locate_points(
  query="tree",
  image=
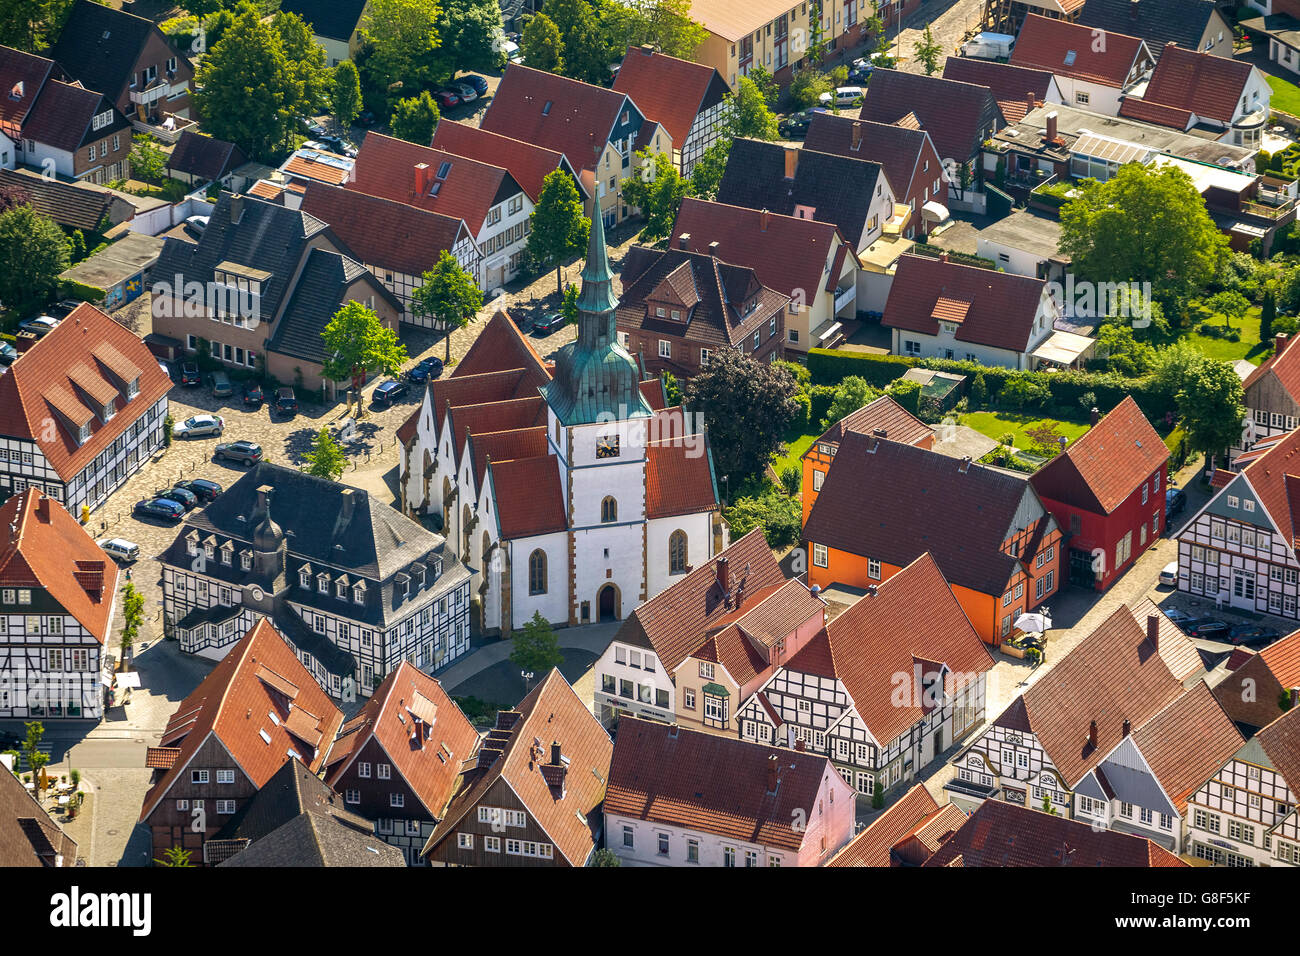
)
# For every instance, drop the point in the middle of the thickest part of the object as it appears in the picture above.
(605, 857)
(791, 479)
(766, 84)
(176, 856)
(36, 759)
(132, 617)
(746, 406)
(979, 391)
(33, 252)
(357, 343)
(559, 229)
(779, 516)
(12, 197)
(542, 45)
(1145, 224)
(569, 305)
(415, 118)
(706, 174)
(536, 648)
(449, 295)
(148, 161)
(30, 25)
(927, 51)
(852, 393)
(1267, 313)
(1023, 391)
(1211, 405)
(313, 81)
(1231, 305)
(1046, 437)
(345, 97)
(470, 36)
(326, 459)
(1124, 353)
(657, 190)
(586, 54)
(664, 24)
(807, 85)
(401, 39)
(750, 115)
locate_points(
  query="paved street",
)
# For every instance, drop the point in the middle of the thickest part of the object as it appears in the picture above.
(949, 21)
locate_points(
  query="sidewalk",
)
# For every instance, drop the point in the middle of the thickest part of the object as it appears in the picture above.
(592, 638)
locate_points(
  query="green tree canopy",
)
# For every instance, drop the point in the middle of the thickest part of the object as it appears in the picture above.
(665, 24)
(326, 458)
(33, 252)
(401, 37)
(449, 295)
(148, 161)
(542, 45)
(586, 52)
(471, 35)
(657, 190)
(559, 228)
(345, 94)
(1124, 353)
(706, 174)
(415, 118)
(536, 648)
(357, 343)
(853, 392)
(927, 51)
(1211, 405)
(778, 515)
(750, 115)
(32, 25)
(312, 78)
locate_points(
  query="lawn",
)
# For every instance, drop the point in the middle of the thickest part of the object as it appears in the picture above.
(1249, 348)
(1286, 95)
(794, 449)
(997, 424)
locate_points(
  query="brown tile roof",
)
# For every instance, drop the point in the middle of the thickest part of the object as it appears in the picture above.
(1002, 308)
(958, 116)
(732, 19)
(1112, 675)
(882, 415)
(22, 75)
(780, 613)
(265, 189)
(529, 496)
(1002, 834)
(1176, 649)
(28, 835)
(1045, 43)
(1284, 366)
(50, 550)
(962, 519)
(471, 391)
(501, 346)
(896, 148)
(1099, 470)
(466, 420)
(419, 726)
(871, 847)
(1281, 742)
(679, 477)
(577, 123)
(161, 758)
(234, 703)
(386, 168)
(912, 617)
(205, 157)
(668, 91)
(1274, 476)
(1209, 86)
(1011, 85)
(1139, 108)
(527, 163)
(382, 233)
(672, 776)
(40, 382)
(1187, 742)
(551, 712)
(676, 620)
(1283, 659)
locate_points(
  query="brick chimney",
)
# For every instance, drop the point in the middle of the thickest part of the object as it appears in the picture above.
(555, 771)
(857, 136)
(1094, 416)
(964, 465)
(684, 241)
(724, 575)
(43, 508)
(713, 247)
(764, 217)
(1051, 136)
(772, 777)
(791, 162)
(943, 256)
(1153, 630)
(422, 182)
(1279, 343)
(1128, 727)
(236, 209)
(1031, 101)
(1092, 733)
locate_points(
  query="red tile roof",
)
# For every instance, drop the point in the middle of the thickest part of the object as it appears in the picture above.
(1275, 478)
(1011, 85)
(1187, 742)
(1045, 43)
(1281, 743)
(1283, 366)
(466, 420)
(1176, 649)
(505, 445)
(1002, 834)
(1283, 659)
(883, 415)
(1207, 85)
(871, 847)
(1139, 108)
(1002, 308)
(49, 549)
(386, 168)
(307, 167)
(234, 703)
(419, 726)
(667, 90)
(679, 477)
(501, 346)
(577, 122)
(671, 776)
(529, 497)
(527, 163)
(1100, 470)
(41, 382)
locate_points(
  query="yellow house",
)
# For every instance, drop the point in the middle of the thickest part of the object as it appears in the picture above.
(775, 34)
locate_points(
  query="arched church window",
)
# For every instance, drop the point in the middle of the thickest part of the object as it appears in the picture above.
(608, 510)
(677, 552)
(537, 572)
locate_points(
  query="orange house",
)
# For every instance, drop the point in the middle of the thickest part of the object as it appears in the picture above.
(884, 418)
(882, 504)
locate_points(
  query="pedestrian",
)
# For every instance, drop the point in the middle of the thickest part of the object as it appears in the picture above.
(128, 574)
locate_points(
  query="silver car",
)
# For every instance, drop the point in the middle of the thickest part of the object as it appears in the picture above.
(119, 548)
(198, 426)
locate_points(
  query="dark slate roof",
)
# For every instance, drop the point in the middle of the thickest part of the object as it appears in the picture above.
(1156, 21)
(75, 205)
(31, 71)
(958, 116)
(205, 157)
(839, 190)
(335, 19)
(268, 236)
(100, 45)
(321, 290)
(62, 117)
(296, 819)
(896, 148)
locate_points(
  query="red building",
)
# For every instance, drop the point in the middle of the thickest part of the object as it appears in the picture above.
(1107, 492)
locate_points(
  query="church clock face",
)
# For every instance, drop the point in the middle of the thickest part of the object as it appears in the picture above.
(607, 447)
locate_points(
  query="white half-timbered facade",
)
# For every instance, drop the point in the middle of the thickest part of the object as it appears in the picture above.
(1270, 395)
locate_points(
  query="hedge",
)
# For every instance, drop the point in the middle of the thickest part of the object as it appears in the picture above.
(70, 289)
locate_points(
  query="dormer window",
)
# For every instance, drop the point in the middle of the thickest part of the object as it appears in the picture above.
(359, 593)
(208, 550)
(323, 583)
(341, 589)
(133, 388)
(227, 551)
(304, 578)
(83, 434)
(17, 92)
(246, 560)
(107, 411)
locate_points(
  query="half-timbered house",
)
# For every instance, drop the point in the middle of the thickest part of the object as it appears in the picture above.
(1271, 394)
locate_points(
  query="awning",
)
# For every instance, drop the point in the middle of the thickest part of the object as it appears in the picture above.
(934, 212)
(715, 690)
(128, 679)
(1063, 348)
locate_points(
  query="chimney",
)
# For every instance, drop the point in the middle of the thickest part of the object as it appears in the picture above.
(964, 465)
(1127, 727)
(555, 771)
(764, 217)
(871, 590)
(236, 209)
(1279, 343)
(555, 752)
(1092, 733)
(713, 248)
(791, 162)
(421, 178)
(857, 136)
(943, 256)
(880, 432)
(684, 241)
(1132, 9)
(724, 578)
(1051, 127)
(1153, 630)
(647, 49)
(43, 508)
(1094, 416)
(1031, 101)
(772, 778)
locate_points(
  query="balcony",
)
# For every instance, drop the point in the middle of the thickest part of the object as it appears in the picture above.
(845, 297)
(1267, 211)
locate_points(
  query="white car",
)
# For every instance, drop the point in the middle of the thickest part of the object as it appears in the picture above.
(120, 548)
(198, 426)
(196, 224)
(843, 96)
(1169, 574)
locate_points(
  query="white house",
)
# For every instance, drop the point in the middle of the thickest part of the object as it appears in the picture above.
(1093, 70)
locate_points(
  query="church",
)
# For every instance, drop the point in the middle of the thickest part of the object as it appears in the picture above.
(566, 488)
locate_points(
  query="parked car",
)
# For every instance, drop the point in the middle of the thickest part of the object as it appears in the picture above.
(286, 402)
(367, 118)
(253, 397)
(119, 549)
(316, 131)
(220, 385)
(1177, 616)
(389, 392)
(479, 84)
(426, 370)
(165, 370)
(8, 354)
(513, 53)
(1169, 574)
(795, 126)
(190, 374)
(199, 426)
(186, 499)
(164, 509)
(549, 323)
(196, 224)
(860, 73)
(1175, 502)
(465, 91)
(39, 326)
(247, 452)
(1205, 627)
(64, 308)
(202, 488)
(1252, 634)
(843, 96)
(337, 144)
(447, 99)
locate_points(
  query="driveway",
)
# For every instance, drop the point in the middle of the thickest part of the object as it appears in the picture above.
(949, 20)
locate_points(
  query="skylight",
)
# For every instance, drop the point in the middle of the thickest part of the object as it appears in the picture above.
(546, 110)
(1069, 58)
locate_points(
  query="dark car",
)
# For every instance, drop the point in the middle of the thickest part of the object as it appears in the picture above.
(523, 323)
(479, 84)
(551, 322)
(162, 508)
(367, 118)
(202, 488)
(190, 374)
(389, 392)
(447, 99)
(253, 396)
(1175, 502)
(8, 354)
(795, 126)
(247, 452)
(427, 369)
(286, 401)
(188, 499)
(315, 130)
(1205, 627)
(64, 308)
(1252, 634)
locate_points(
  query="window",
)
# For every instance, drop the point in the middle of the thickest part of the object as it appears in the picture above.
(663, 844)
(629, 837)
(225, 807)
(465, 841)
(384, 771)
(692, 851)
(677, 550)
(873, 569)
(225, 776)
(537, 572)
(819, 555)
(706, 670)
(704, 356)
(608, 510)
(688, 699)
(728, 856)
(396, 800)
(363, 770)
(198, 776)
(665, 348)
(818, 477)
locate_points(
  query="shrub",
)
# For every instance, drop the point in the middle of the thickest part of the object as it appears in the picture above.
(779, 517)
(792, 479)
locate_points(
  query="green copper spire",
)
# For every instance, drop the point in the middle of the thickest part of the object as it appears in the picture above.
(595, 378)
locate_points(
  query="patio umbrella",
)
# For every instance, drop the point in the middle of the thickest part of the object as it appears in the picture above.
(128, 679)
(1033, 622)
